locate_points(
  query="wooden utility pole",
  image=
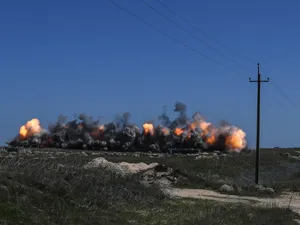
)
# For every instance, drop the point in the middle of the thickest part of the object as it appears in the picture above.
(258, 81)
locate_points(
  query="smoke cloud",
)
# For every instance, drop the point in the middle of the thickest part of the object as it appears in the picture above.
(121, 135)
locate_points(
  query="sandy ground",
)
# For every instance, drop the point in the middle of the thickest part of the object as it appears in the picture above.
(286, 200)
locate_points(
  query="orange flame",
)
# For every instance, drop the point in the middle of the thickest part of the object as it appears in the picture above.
(178, 131)
(30, 128)
(97, 133)
(211, 139)
(148, 128)
(101, 128)
(192, 126)
(236, 141)
(204, 125)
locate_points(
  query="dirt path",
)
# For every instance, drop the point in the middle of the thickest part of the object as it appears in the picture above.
(287, 200)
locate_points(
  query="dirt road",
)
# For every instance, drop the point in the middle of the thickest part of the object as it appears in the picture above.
(287, 200)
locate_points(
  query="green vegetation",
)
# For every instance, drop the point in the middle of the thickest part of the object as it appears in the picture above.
(45, 190)
(278, 170)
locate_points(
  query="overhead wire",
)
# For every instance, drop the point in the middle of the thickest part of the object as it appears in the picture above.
(198, 29)
(194, 36)
(272, 82)
(172, 38)
(279, 102)
(193, 49)
(209, 36)
(280, 90)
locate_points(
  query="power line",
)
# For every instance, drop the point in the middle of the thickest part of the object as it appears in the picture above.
(198, 29)
(276, 86)
(192, 49)
(283, 94)
(169, 36)
(198, 39)
(280, 103)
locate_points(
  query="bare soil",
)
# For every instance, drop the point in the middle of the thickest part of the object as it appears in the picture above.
(287, 200)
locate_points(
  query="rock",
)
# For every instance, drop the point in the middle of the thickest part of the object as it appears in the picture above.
(203, 157)
(84, 154)
(64, 145)
(151, 173)
(226, 188)
(3, 150)
(269, 190)
(284, 154)
(136, 155)
(122, 167)
(263, 189)
(290, 156)
(164, 182)
(215, 177)
(95, 153)
(204, 153)
(136, 167)
(160, 156)
(293, 157)
(22, 151)
(61, 153)
(154, 147)
(126, 146)
(104, 164)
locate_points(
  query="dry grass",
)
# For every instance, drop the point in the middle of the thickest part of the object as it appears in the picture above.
(277, 170)
(44, 190)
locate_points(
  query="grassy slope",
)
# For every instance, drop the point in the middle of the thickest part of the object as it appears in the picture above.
(40, 191)
(276, 170)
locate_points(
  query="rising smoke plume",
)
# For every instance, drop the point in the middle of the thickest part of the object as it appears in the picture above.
(182, 133)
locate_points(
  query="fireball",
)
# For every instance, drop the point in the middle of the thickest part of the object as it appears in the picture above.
(148, 128)
(30, 128)
(178, 131)
(101, 128)
(236, 140)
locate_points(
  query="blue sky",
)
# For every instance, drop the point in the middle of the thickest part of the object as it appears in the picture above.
(66, 57)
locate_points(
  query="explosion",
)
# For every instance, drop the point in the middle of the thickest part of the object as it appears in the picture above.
(236, 140)
(30, 128)
(148, 129)
(178, 131)
(120, 134)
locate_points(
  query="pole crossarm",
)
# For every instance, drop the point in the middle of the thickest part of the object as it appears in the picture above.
(250, 80)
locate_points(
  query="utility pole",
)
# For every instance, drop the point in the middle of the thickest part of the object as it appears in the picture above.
(258, 81)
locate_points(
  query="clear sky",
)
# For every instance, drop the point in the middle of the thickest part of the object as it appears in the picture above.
(66, 57)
